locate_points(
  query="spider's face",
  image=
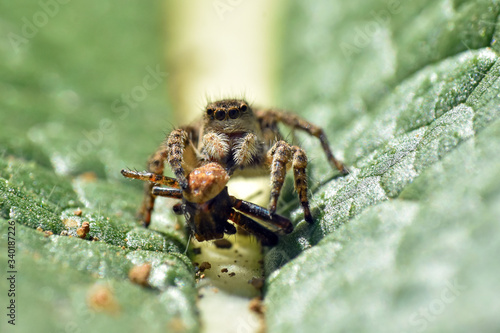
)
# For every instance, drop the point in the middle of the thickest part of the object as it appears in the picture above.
(229, 115)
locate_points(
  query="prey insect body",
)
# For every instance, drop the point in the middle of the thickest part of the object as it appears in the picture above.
(207, 205)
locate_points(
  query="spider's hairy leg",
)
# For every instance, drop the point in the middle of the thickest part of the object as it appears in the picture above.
(247, 149)
(215, 146)
(294, 121)
(299, 165)
(279, 156)
(176, 144)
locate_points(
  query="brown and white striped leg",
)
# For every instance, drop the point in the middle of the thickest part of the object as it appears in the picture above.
(299, 165)
(279, 155)
(176, 144)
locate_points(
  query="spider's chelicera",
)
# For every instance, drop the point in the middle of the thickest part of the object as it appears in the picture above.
(244, 141)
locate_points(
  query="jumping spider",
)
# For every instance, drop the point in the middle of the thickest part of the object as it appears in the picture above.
(245, 142)
(207, 206)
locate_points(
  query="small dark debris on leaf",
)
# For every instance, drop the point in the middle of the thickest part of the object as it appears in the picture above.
(223, 243)
(139, 274)
(258, 283)
(205, 265)
(197, 250)
(224, 270)
(232, 274)
(77, 212)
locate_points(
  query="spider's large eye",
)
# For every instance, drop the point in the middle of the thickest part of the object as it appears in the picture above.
(220, 115)
(210, 113)
(243, 108)
(234, 113)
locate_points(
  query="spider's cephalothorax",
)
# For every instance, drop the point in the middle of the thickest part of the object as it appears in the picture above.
(245, 141)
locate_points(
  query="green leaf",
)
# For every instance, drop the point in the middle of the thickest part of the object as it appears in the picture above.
(67, 120)
(405, 242)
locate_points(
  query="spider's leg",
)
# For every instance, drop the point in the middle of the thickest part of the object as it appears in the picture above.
(253, 210)
(176, 144)
(279, 157)
(292, 120)
(167, 192)
(155, 165)
(151, 177)
(266, 236)
(299, 165)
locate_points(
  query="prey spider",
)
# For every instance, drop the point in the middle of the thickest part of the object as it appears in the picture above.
(207, 206)
(244, 142)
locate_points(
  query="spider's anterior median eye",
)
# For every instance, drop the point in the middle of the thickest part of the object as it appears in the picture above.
(210, 113)
(220, 115)
(234, 113)
(243, 108)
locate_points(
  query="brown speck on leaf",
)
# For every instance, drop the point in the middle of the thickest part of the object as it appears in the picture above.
(197, 250)
(202, 276)
(223, 243)
(100, 298)
(205, 265)
(39, 229)
(139, 274)
(224, 270)
(48, 233)
(83, 231)
(232, 274)
(77, 212)
(256, 305)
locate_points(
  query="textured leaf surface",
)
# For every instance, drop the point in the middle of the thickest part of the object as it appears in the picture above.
(66, 131)
(403, 243)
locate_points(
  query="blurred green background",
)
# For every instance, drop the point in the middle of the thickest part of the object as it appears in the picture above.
(408, 92)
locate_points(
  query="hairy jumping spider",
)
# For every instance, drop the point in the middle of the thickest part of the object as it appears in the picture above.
(243, 140)
(207, 206)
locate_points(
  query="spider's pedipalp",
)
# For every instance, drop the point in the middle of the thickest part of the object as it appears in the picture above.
(215, 146)
(247, 149)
